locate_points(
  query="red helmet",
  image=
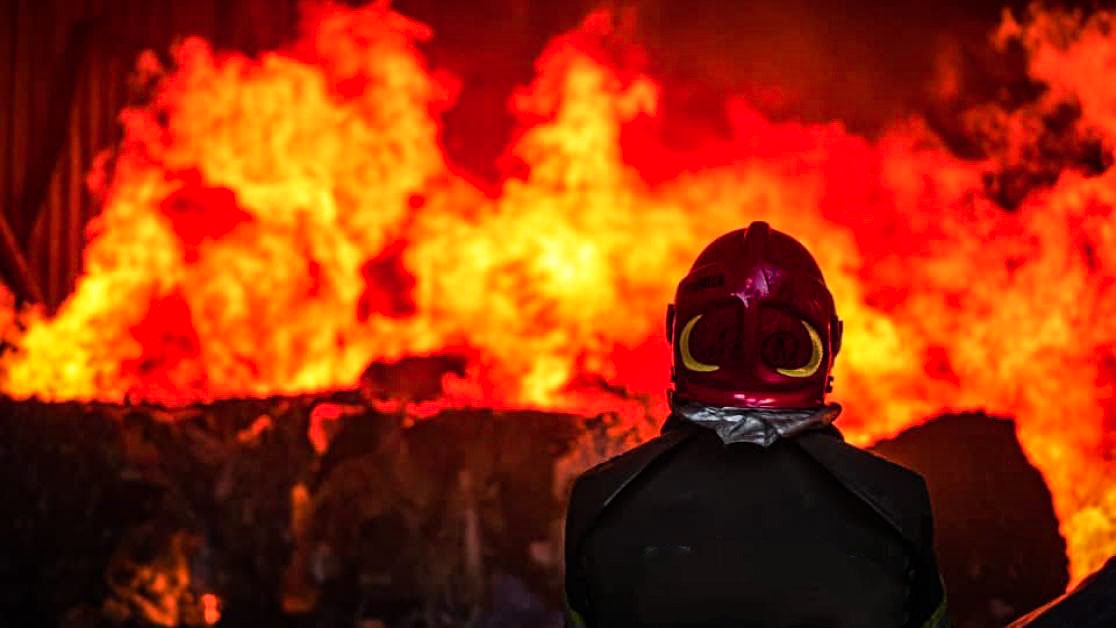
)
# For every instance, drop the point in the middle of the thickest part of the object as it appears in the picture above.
(753, 324)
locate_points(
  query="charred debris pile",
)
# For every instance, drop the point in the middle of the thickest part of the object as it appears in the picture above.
(321, 511)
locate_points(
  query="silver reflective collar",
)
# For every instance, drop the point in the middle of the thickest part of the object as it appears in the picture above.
(759, 426)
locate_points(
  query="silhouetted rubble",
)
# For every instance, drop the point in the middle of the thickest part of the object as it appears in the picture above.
(1091, 604)
(321, 511)
(996, 533)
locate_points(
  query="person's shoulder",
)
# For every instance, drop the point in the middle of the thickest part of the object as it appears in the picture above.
(595, 489)
(894, 491)
(888, 471)
(632, 460)
(600, 482)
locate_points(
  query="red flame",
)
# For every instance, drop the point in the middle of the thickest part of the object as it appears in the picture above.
(275, 224)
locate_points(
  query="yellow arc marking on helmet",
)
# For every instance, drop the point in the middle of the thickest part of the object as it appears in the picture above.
(811, 367)
(684, 348)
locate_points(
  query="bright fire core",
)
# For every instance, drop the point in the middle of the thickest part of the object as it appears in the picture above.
(273, 225)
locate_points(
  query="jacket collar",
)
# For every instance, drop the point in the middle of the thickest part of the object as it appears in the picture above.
(759, 426)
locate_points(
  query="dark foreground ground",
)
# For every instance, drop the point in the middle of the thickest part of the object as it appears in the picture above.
(115, 516)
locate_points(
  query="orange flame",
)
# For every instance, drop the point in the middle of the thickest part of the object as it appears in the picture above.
(275, 224)
(211, 608)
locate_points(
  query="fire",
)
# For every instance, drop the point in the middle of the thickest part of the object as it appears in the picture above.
(273, 225)
(211, 609)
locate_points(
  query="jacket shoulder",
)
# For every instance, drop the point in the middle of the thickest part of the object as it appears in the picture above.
(596, 488)
(896, 493)
(592, 492)
(600, 484)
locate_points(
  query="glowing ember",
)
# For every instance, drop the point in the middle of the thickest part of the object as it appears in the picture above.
(211, 608)
(274, 225)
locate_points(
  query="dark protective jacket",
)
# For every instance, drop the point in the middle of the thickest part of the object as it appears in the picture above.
(687, 531)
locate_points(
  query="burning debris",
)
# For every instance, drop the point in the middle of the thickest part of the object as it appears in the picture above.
(181, 520)
(130, 516)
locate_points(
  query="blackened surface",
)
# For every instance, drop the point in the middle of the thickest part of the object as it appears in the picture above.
(96, 500)
(63, 507)
(1091, 604)
(93, 494)
(996, 534)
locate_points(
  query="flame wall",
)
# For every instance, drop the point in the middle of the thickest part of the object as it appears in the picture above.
(272, 225)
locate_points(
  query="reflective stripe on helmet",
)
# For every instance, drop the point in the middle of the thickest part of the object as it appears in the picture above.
(684, 348)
